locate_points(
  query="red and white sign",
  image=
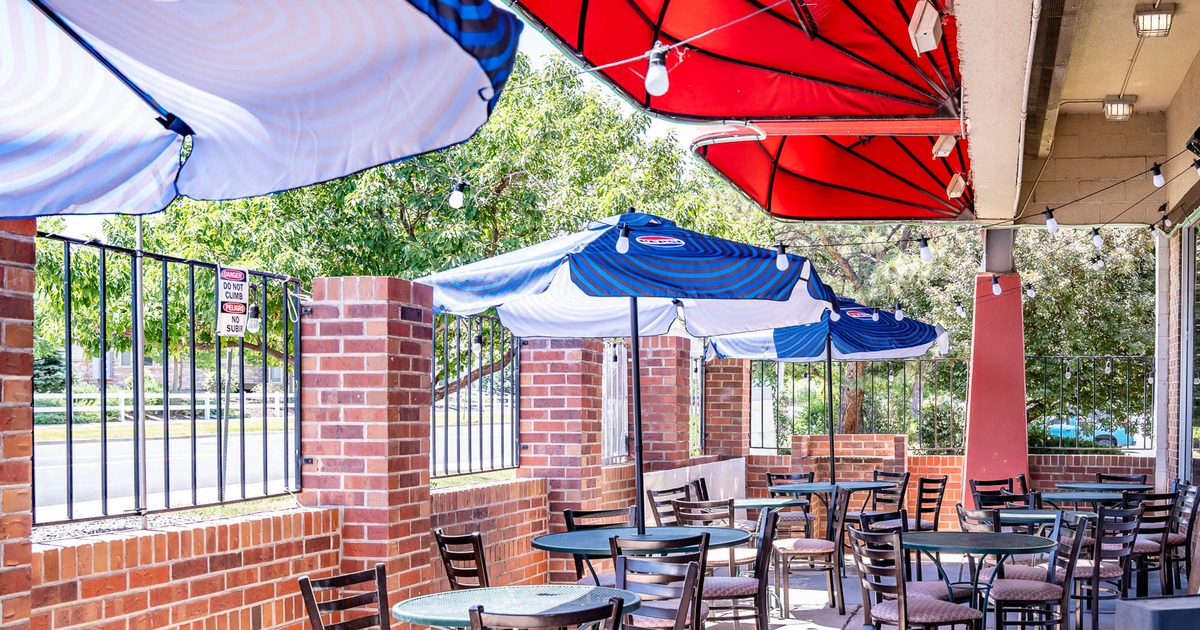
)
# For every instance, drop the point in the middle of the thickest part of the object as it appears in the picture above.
(233, 300)
(653, 240)
(857, 314)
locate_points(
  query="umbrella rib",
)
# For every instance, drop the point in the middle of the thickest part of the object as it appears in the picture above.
(166, 119)
(583, 13)
(933, 62)
(774, 170)
(928, 171)
(902, 180)
(892, 45)
(942, 211)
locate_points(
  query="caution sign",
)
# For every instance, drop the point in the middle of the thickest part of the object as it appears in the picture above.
(233, 301)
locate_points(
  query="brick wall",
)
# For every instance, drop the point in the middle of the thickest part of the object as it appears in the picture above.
(234, 573)
(727, 408)
(1047, 470)
(616, 486)
(16, 419)
(509, 514)
(935, 466)
(666, 373)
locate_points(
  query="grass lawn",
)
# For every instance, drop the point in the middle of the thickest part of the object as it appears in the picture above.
(464, 480)
(154, 429)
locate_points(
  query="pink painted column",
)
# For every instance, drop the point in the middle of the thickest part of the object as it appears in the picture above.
(996, 442)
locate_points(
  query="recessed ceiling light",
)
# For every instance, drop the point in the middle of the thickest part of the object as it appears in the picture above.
(1119, 108)
(1152, 21)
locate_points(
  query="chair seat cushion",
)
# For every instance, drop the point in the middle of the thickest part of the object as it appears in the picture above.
(796, 517)
(1017, 572)
(1085, 568)
(1009, 590)
(912, 524)
(607, 578)
(925, 611)
(805, 545)
(1176, 539)
(720, 557)
(1140, 545)
(936, 589)
(727, 587)
(670, 605)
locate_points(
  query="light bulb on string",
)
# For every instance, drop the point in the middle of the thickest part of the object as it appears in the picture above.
(781, 258)
(1029, 290)
(1097, 240)
(958, 308)
(1167, 222)
(1159, 180)
(996, 288)
(926, 253)
(1108, 367)
(678, 308)
(899, 311)
(477, 344)
(253, 322)
(1196, 165)
(623, 240)
(1051, 224)
(657, 82)
(1097, 263)
(875, 315)
(457, 196)
(835, 316)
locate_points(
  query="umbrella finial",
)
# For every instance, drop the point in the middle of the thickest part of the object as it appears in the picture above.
(630, 210)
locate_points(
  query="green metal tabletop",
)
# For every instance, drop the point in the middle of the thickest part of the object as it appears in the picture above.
(1105, 487)
(824, 487)
(1080, 497)
(1017, 516)
(767, 503)
(977, 543)
(451, 609)
(593, 543)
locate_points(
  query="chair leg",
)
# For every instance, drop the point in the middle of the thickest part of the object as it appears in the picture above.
(1094, 596)
(837, 591)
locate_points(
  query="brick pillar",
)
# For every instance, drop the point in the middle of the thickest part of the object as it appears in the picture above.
(16, 420)
(560, 428)
(365, 369)
(727, 408)
(666, 397)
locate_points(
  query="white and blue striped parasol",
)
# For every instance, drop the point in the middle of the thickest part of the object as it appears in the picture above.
(96, 98)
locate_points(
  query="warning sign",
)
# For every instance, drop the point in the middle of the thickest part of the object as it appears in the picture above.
(233, 300)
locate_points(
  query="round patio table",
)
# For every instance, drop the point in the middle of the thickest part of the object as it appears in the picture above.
(1092, 498)
(593, 543)
(823, 489)
(767, 503)
(1105, 487)
(982, 544)
(452, 609)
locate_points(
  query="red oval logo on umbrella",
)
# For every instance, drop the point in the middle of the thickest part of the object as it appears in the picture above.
(652, 240)
(857, 314)
(233, 274)
(236, 308)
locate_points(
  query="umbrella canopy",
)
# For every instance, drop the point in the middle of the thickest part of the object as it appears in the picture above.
(758, 60)
(97, 97)
(842, 177)
(858, 334)
(578, 285)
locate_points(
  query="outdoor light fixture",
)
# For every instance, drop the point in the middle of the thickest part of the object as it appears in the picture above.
(899, 312)
(958, 308)
(1119, 108)
(926, 253)
(781, 259)
(657, 82)
(1051, 224)
(996, 289)
(457, 198)
(957, 185)
(1159, 180)
(253, 323)
(1097, 240)
(1153, 21)
(1029, 290)
(623, 240)
(925, 27)
(1097, 263)
(943, 146)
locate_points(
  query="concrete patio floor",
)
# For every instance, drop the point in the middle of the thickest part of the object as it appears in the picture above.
(810, 609)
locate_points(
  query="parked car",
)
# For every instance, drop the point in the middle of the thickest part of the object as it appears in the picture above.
(1099, 430)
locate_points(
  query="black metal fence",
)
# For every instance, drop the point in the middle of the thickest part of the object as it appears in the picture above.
(475, 419)
(220, 416)
(1090, 403)
(922, 398)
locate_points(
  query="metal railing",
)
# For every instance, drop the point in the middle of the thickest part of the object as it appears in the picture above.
(614, 400)
(922, 398)
(210, 438)
(475, 419)
(1095, 403)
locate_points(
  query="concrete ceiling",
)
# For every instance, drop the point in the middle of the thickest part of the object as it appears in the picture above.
(1104, 45)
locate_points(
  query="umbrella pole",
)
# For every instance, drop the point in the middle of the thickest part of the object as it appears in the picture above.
(829, 403)
(638, 483)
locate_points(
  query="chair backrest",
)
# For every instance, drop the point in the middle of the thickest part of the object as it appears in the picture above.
(376, 598)
(888, 498)
(930, 493)
(462, 556)
(879, 559)
(977, 520)
(717, 513)
(1116, 532)
(1158, 513)
(1108, 478)
(985, 487)
(1185, 512)
(1020, 484)
(884, 522)
(578, 520)
(839, 503)
(660, 503)
(660, 578)
(1028, 501)
(700, 489)
(677, 550)
(768, 524)
(1070, 535)
(775, 479)
(608, 615)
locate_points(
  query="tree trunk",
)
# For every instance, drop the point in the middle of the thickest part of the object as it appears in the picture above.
(850, 403)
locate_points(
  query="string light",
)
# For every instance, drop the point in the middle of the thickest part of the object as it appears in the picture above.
(1097, 240)
(875, 315)
(899, 311)
(457, 196)
(1097, 263)
(253, 322)
(1029, 290)
(958, 308)
(1196, 165)
(623, 240)
(1051, 224)
(477, 344)
(1108, 367)
(781, 258)
(926, 253)
(1159, 180)
(996, 289)
(657, 82)
(834, 316)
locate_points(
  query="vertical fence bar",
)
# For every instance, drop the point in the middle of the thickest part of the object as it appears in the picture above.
(296, 350)
(68, 378)
(166, 388)
(139, 402)
(103, 286)
(265, 386)
(242, 412)
(470, 400)
(192, 370)
(222, 430)
(287, 315)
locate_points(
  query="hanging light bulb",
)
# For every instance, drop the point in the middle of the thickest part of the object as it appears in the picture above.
(875, 316)
(996, 288)
(678, 308)
(477, 344)
(623, 240)
(1167, 222)
(1196, 165)
(1159, 180)
(781, 258)
(457, 196)
(926, 253)
(1108, 367)
(657, 82)
(1068, 373)
(899, 312)
(1097, 240)
(253, 323)
(1029, 290)
(1097, 263)
(1051, 224)
(958, 308)
(835, 316)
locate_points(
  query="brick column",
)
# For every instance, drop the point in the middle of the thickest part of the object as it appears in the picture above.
(560, 428)
(16, 420)
(366, 365)
(666, 397)
(727, 408)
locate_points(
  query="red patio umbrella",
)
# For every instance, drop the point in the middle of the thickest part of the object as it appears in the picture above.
(810, 58)
(803, 177)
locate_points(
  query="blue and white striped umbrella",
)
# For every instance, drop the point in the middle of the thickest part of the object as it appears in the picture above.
(858, 334)
(579, 285)
(97, 97)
